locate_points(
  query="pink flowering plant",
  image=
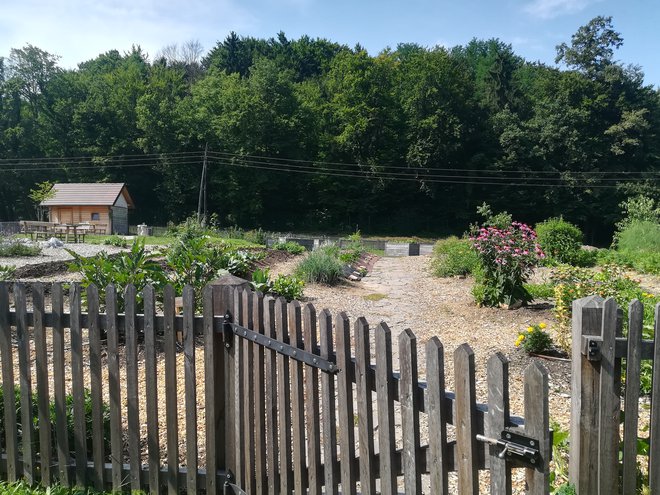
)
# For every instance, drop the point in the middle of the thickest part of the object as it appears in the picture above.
(507, 258)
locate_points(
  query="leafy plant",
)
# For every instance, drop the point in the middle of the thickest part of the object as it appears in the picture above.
(87, 398)
(559, 472)
(14, 248)
(320, 266)
(116, 240)
(534, 339)
(500, 220)
(137, 267)
(453, 256)
(541, 291)
(289, 287)
(261, 280)
(7, 272)
(193, 261)
(290, 247)
(237, 263)
(561, 241)
(507, 258)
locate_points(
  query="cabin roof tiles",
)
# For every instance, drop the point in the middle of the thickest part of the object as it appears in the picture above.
(93, 194)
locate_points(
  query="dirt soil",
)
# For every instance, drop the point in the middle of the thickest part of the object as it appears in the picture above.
(403, 293)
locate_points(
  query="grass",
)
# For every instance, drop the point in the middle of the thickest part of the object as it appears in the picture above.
(374, 297)
(320, 266)
(168, 240)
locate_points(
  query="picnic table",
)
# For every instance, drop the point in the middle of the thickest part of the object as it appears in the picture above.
(64, 231)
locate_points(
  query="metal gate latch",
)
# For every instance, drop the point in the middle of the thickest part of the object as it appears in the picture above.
(513, 444)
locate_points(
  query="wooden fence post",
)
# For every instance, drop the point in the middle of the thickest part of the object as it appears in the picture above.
(585, 374)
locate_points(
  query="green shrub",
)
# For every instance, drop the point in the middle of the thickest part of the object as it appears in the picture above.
(541, 291)
(7, 272)
(14, 248)
(87, 397)
(290, 247)
(320, 266)
(288, 287)
(560, 240)
(257, 236)
(501, 221)
(636, 209)
(454, 256)
(116, 240)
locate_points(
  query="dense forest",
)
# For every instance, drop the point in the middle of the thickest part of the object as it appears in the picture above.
(309, 134)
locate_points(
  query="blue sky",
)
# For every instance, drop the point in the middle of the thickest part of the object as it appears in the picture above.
(79, 30)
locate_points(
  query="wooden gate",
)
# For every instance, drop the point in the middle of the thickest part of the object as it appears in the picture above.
(310, 411)
(602, 461)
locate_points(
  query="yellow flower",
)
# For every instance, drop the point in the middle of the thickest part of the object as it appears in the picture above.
(530, 329)
(542, 325)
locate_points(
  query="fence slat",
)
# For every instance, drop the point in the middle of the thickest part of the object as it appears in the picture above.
(61, 434)
(583, 458)
(465, 421)
(633, 372)
(11, 434)
(78, 386)
(247, 402)
(385, 406)
(96, 385)
(171, 396)
(437, 417)
(297, 400)
(610, 405)
(498, 419)
(365, 407)
(114, 388)
(27, 422)
(537, 425)
(258, 390)
(283, 399)
(345, 398)
(312, 404)
(151, 379)
(330, 463)
(239, 390)
(43, 393)
(132, 401)
(190, 387)
(272, 450)
(654, 434)
(409, 412)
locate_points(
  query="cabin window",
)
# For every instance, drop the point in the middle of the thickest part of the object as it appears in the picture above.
(96, 216)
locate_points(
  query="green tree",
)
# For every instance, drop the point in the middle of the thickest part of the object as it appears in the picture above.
(40, 193)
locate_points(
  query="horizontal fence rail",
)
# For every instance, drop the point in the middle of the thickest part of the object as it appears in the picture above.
(268, 396)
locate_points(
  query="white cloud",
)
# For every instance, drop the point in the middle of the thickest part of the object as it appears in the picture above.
(548, 9)
(79, 30)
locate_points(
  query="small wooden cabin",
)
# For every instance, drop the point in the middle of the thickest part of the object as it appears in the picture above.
(103, 205)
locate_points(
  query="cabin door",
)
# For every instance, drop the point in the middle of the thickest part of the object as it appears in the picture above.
(66, 215)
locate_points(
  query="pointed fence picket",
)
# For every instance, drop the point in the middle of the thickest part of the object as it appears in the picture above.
(294, 401)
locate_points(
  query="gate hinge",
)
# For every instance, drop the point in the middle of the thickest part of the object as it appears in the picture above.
(228, 330)
(514, 445)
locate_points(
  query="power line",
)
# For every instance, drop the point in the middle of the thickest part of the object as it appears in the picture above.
(417, 173)
(483, 183)
(362, 166)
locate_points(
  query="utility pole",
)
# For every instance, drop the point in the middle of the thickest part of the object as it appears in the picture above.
(201, 202)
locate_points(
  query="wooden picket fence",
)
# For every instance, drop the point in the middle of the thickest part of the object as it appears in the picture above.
(291, 400)
(603, 455)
